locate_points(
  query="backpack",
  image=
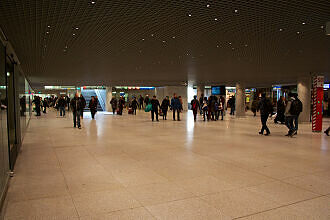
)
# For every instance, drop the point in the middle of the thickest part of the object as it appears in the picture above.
(194, 106)
(296, 107)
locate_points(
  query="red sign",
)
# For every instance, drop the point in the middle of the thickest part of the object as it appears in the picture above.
(317, 103)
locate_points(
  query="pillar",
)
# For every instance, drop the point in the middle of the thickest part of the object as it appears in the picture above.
(200, 90)
(240, 100)
(180, 91)
(108, 99)
(304, 94)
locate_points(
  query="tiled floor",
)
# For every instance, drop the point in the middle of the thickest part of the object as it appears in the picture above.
(126, 167)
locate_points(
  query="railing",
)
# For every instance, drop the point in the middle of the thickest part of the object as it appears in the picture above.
(100, 98)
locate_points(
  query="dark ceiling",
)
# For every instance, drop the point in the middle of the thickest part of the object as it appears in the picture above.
(163, 42)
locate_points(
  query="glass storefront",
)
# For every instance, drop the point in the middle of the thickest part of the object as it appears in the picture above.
(15, 102)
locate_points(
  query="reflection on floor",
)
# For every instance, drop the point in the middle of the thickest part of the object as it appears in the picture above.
(127, 167)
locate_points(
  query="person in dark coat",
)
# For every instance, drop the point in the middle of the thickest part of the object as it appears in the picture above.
(83, 105)
(201, 99)
(121, 104)
(154, 111)
(114, 103)
(254, 107)
(37, 103)
(176, 106)
(280, 111)
(164, 107)
(67, 99)
(93, 106)
(45, 105)
(134, 105)
(195, 106)
(61, 106)
(77, 107)
(141, 100)
(265, 108)
(146, 100)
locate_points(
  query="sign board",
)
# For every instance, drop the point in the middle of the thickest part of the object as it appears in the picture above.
(318, 82)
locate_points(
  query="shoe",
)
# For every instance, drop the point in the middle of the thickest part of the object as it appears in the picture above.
(179, 120)
(326, 132)
(294, 133)
(74, 126)
(267, 134)
(79, 127)
(157, 120)
(288, 134)
(261, 133)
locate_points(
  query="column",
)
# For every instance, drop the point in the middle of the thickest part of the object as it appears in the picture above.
(240, 100)
(200, 90)
(304, 94)
(108, 99)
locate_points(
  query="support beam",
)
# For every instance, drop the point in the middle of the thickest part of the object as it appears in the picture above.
(304, 94)
(240, 100)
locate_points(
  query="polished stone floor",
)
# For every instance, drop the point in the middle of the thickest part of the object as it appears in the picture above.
(127, 167)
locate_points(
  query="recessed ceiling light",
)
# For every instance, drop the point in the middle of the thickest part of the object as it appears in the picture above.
(230, 43)
(303, 23)
(93, 2)
(217, 45)
(298, 32)
(322, 27)
(215, 19)
(142, 39)
(77, 28)
(66, 46)
(164, 41)
(74, 34)
(236, 11)
(47, 32)
(246, 45)
(233, 48)
(48, 26)
(281, 29)
(152, 35)
(173, 37)
(189, 15)
(207, 5)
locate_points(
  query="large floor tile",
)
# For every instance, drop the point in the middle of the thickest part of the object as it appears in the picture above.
(152, 194)
(47, 208)
(127, 214)
(190, 209)
(103, 202)
(282, 193)
(239, 202)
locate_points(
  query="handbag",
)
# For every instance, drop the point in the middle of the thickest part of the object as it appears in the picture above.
(148, 108)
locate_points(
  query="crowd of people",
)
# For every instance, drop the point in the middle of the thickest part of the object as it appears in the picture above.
(210, 108)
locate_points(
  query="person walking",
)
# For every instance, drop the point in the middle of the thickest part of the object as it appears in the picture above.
(292, 111)
(327, 131)
(201, 99)
(231, 103)
(205, 109)
(67, 99)
(134, 105)
(289, 117)
(141, 100)
(222, 106)
(154, 111)
(195, 106)
(37, 103)
(93, 106)
(45, 105)
(254, 106)
(297, 107)
(121, 104)
(76, 107)
(114, 103)
(176, 106)
(146, 100)
(280, 111)
(83, 105)
(61, 106)
(265, 107)
(164, 107)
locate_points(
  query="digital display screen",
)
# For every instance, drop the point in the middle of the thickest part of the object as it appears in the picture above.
(215, 90)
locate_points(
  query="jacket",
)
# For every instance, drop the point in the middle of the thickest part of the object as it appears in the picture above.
(155, 104)
(76, 104)
(195, 105)
(61, 102)
(288, 106)
(176, 104)
(165, 105)
(92, 104)
(263, 106)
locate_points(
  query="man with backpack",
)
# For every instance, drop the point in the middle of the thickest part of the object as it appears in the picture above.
(265, 106)
(292, 111)
(195, 106)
